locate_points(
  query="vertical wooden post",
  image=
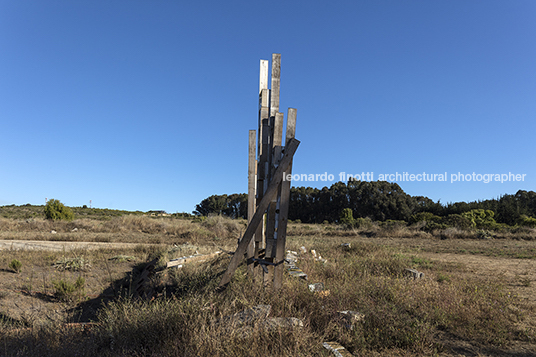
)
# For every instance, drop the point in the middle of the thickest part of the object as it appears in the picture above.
(276, 83)
(268, 187)
(276, 128)
(284, 205)
(264, 113)
(271, 223)
(262, 183)
(263, 75)
(252, 168)
(272, 190)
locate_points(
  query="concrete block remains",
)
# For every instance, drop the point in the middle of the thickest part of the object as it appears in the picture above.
(415, 274)
(291, 261)
(316, 287)
(274, 323)
(337, 349)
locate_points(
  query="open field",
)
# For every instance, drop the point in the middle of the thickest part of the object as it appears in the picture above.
(477, 296)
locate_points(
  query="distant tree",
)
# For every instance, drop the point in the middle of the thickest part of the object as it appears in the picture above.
(55, 210)
(212, 204)
(234, 206)
(347, 218)
(237, 206)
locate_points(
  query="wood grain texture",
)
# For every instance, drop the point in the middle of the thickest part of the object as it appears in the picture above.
(261, 209)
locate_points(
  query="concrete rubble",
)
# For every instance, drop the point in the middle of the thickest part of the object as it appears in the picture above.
(291, 261)
(316, 287)
(337, 349)
(318, 257)
(415, 274)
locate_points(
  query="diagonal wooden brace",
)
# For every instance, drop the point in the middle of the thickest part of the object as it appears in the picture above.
(259, 213)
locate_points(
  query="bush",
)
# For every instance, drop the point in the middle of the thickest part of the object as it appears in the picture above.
(347, 218)
(68, 292)
(55, 210)
(424, 216)
(457, 221)
(480, 218)
(15, 265)
(392, 224)
(363, 223)
(526, 221)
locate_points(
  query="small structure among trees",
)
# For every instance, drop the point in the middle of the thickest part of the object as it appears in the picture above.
(270, 159)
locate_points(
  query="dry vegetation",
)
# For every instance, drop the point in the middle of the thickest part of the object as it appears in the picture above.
(451, 311)
(124, 229)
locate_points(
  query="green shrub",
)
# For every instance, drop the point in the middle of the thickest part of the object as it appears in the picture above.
(55, 210)
(457, 221)
(424, 216)
(428, 221)
(392, 224)
(347, 218)
(526, 221)
(480, 218)
(199, 219)
(442, 278)
(15, 265)
(68, 292)
(363, 223)
(73, 264)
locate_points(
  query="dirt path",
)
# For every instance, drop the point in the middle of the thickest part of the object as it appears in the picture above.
(60, 246)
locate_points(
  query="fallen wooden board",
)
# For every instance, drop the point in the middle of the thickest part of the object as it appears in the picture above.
(198, 258)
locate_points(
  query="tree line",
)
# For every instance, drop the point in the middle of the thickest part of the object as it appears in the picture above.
(377, 200)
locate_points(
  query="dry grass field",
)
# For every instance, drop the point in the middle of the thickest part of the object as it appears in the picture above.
(477, 296)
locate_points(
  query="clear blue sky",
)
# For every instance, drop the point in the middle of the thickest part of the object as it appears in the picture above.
(146, 105)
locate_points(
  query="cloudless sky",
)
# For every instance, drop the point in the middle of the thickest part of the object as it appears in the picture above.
(146, 105)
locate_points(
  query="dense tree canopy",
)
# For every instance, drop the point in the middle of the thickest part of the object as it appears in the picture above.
(234, 206)
(377, 200)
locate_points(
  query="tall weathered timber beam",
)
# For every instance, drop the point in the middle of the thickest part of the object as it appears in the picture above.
(284, 206)
(272, 189)
(252, 169)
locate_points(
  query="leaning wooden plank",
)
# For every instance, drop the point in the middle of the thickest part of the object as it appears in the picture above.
(283, 206)
(259, 214)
